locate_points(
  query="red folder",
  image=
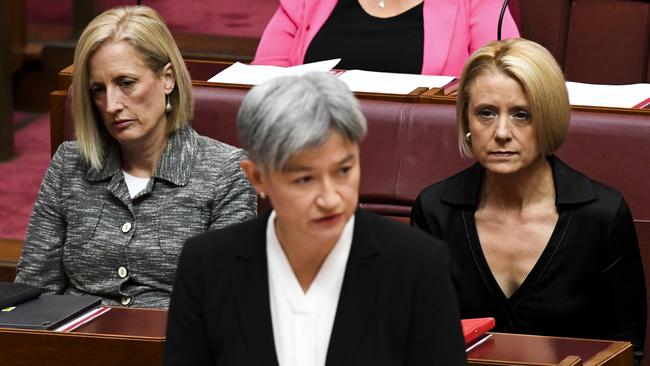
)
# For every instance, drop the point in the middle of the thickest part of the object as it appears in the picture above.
(475, 328)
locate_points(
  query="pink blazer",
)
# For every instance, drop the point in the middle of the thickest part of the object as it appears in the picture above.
(453, 29)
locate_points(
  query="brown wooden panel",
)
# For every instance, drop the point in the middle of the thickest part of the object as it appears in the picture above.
(18, 33)
(122, 336)
(10, 251)
(546, 22)
(57, 116)
(608, 41)
(6, 99)
(514, 349)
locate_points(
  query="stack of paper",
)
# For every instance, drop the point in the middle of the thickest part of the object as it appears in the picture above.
(357, 80)
(390, 83)
(617, 96)
(239, 73)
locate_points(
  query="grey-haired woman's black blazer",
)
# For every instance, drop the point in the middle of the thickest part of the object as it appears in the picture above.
(397, 304)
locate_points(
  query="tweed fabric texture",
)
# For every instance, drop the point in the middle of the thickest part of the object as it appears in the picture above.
(86, 234)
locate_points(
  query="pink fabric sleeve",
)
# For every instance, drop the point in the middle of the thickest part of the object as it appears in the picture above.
(279, 37)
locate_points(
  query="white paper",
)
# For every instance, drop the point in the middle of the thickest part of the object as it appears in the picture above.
(390, 83)
(239, 73)
(82, 319)
(598, 95)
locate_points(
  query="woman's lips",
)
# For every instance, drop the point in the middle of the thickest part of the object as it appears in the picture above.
(122, 123)
(503, 154)
(328, 220)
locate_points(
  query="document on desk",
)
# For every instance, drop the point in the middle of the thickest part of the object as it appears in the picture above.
(47, 311)
(82, 319)
(616, 96)
(390, 83)
(245, 74)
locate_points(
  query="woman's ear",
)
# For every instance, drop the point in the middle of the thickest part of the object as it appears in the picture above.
(168, 75)
(255, 176)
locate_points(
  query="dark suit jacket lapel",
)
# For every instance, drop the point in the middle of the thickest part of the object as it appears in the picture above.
(253, 294)
(358, 292)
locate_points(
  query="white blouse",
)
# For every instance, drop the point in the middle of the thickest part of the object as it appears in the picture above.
(302, 321)
(135, 184)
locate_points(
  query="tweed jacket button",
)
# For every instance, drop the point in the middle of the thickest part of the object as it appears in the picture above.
(122, 272)
(126, 227)
(126, 300)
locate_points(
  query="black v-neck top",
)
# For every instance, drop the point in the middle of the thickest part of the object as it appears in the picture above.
(394, 44)
(588, 281)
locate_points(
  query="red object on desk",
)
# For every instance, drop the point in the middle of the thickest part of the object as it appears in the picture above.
(475, 328)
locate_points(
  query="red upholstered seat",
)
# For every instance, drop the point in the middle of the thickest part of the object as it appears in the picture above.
(411, 145)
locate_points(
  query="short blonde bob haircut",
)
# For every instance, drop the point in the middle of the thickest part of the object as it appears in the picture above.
(145, 30)
(539, 75)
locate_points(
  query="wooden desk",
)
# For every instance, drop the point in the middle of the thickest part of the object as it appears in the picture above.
(517, 349)
(126, 336)
(122, 336)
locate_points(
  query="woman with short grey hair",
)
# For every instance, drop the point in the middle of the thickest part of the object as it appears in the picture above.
(309, 110)
(317, 280)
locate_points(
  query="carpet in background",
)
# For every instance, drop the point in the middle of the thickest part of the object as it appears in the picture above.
(21, 176)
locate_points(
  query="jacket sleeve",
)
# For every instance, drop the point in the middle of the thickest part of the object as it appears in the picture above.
(484, 20)
(41, 263)
(186, 341)
(435, 329)
(236, 200)
(279, 37)
(423, 219)
(622, 283)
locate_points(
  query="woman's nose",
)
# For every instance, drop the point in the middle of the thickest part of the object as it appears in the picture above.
(328, 198)
(113, 101)
(503, 128)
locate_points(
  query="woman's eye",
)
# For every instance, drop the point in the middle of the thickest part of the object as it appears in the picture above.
(344, 170)
(302, 180)
(521, 115)
(96, 90)
(125, 83)
(486, 113)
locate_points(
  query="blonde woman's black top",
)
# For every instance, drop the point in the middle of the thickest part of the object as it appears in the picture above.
(587, 283)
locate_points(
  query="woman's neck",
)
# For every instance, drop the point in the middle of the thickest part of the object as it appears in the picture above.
(305, 255)
(389, 9)
(141, 158)
(520, 190)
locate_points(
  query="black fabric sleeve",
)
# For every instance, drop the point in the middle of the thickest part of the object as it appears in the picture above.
(187, 341)
(422, 219)
(435, 329)
(622, 281)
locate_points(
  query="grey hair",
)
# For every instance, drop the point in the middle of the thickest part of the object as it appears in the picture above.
(285, 115)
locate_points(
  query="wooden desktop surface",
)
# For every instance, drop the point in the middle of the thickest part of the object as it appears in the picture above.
(126, 336)
(202, 70)
(122, 336)
(518, 349)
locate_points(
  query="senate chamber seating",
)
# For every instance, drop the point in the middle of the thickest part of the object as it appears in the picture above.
(411, 145)
(595, 41)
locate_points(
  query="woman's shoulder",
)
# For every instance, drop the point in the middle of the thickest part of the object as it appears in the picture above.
(459, 188)
(68, 155)
(227, 242)
(218, 149)
(575, 187)
(400, 240)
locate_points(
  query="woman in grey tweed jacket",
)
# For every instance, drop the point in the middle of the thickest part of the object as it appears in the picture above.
(116, 205)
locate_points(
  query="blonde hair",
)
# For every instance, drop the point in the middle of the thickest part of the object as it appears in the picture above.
(539, 75)
(145, 30)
